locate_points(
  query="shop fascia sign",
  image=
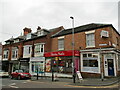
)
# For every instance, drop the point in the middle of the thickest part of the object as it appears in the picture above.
(58, 54)
(62, 53)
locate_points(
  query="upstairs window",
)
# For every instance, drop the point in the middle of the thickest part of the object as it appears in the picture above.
(27, 51)
(90, 40)
(14, 53)
(17, 40)
(40, 33)
(5, 54)
(39, 48)
(61, 44)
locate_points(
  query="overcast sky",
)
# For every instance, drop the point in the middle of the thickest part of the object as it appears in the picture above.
(18, 14)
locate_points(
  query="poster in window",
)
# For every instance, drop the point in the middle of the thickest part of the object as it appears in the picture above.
(48, 65)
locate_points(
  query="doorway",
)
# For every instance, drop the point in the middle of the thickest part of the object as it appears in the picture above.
(110, 67)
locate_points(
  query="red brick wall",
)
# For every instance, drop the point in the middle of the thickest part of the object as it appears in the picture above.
(80, 40)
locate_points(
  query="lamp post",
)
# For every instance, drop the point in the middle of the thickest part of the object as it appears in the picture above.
(73, 67)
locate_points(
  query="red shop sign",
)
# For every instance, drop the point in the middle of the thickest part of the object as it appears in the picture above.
(61, 53)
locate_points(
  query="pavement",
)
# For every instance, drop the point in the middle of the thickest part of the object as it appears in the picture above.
(85, 82)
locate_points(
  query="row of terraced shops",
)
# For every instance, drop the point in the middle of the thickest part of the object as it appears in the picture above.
(94, 52)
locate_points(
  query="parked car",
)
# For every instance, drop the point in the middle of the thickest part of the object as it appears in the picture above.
(19, 74)
(3, 73)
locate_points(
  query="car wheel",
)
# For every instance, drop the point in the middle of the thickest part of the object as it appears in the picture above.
(19, 77)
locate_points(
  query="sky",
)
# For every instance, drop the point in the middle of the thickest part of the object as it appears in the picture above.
(15, 15)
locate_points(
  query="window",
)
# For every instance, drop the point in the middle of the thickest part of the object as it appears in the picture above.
(39, 48)
(90, 40)
(90, 60)
(90, 63)
(5, 54)
(27, 51)
(17, 40)
(14, 53)
(61, 44)
(40, 33)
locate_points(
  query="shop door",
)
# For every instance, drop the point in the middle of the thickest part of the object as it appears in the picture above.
(110, 67)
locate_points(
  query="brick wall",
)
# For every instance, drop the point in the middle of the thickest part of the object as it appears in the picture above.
(80, 40)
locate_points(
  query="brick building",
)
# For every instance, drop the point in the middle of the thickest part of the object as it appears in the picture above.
(99, 47)
(25, 51)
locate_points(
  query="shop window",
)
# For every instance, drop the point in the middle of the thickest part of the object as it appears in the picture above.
(29, 50)
(89, 55)
(90, 63)
(84, 55)
(61, 44)
(90, 40)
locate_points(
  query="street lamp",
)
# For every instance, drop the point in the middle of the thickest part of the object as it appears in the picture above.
(73, 67)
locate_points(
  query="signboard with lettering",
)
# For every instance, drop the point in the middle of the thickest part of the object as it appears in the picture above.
(79, 75)
(61, 53)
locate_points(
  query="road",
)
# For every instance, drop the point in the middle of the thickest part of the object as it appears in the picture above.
(8, 83)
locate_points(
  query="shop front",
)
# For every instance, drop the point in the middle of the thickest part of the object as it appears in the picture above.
(36, 63)
(24, 64)
(13, 65)
(61, 61)
(5, 65)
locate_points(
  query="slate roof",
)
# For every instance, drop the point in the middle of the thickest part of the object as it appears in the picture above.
(82, 28)
(11, 39)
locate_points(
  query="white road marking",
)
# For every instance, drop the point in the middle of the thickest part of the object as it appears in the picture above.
(13, 84)
(24, 82)
(14, 87)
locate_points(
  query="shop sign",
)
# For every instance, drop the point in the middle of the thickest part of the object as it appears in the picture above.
(62, 53)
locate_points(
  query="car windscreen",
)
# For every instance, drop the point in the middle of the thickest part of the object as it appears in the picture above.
(20, 71)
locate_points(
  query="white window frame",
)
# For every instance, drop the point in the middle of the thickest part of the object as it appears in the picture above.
(59, 47)
(93, 41)
(26, 53)
(90, 69)
(15, 53)
(17, 40)
(6, 56)
(38, 49)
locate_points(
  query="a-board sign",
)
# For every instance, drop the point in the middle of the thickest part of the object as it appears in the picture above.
(79, 75)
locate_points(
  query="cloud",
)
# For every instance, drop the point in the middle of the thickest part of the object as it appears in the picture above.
(17, 14)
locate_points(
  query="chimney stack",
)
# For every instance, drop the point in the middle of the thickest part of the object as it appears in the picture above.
(27, 30)
(39, 28)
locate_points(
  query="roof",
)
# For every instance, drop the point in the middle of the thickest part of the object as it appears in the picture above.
(82, 28)
(20, 37)
(11, 39)
(54, 29)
